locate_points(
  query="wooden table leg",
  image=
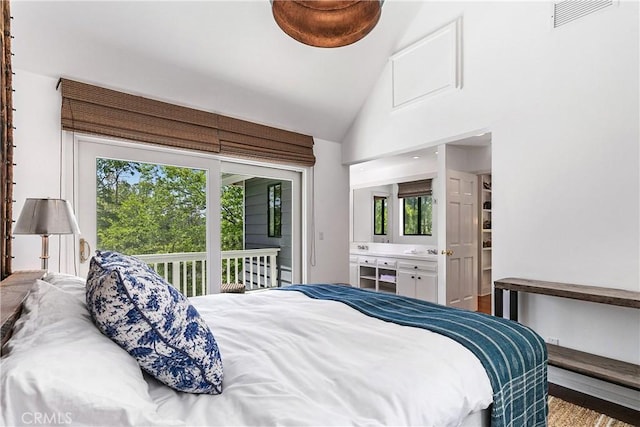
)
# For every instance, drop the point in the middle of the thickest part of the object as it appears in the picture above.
(513, 305)
(497, 302)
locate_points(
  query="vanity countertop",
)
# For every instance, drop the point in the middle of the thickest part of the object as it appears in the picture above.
(418, 256)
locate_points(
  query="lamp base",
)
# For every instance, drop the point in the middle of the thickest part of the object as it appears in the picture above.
(45, 252)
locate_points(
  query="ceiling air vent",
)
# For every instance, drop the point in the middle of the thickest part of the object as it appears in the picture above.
(570, 10)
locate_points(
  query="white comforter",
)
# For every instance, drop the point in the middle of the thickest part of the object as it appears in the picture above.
(292, 360)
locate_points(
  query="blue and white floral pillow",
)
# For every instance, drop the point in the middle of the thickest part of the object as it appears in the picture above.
(154, 322)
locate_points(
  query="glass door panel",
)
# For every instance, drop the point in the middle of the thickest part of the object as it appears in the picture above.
(156, 213)
(153, 204)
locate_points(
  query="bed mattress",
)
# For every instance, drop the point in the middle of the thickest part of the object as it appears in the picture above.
(292, 360)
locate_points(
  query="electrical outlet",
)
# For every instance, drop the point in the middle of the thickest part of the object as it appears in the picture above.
(554, 341)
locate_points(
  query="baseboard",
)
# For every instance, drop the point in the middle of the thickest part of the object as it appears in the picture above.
(593, 387)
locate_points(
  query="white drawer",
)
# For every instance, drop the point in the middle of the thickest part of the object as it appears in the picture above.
(418, 265)
(365, 260)
(387, 263)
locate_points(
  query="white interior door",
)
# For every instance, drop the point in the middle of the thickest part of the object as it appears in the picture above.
(461, 240)
(87, 152)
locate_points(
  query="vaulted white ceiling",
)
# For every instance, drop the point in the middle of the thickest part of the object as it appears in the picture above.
(228, 57)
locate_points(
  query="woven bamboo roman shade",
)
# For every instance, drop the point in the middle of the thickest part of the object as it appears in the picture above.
(96, 110)
(245, 139)
(414, 188)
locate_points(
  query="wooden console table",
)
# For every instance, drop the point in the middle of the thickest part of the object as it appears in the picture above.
(13, 291)
(610, 370)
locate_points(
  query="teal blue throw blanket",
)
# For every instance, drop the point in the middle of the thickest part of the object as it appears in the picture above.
(514, 356)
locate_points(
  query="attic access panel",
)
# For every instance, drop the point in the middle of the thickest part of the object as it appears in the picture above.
(429, 66)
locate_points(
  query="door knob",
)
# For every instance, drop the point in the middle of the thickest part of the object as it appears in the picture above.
(447, 252)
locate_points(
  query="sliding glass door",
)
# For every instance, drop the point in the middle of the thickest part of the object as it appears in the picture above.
(198, 221)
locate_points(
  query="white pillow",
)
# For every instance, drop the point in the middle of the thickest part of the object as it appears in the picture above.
(61, 370)
(67, 282)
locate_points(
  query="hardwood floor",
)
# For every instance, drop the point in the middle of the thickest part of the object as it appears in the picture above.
(484, 304)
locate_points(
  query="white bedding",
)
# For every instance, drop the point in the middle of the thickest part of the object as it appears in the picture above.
(292, 360)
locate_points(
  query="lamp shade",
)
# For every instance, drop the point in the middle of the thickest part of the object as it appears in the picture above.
(46, 216)
(326, 23)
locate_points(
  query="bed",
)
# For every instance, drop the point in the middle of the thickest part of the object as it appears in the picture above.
(303, 355)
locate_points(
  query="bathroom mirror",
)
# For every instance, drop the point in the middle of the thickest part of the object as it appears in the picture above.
(376, 181)
(371, 207)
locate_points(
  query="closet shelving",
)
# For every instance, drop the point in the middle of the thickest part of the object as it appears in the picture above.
(485, 238)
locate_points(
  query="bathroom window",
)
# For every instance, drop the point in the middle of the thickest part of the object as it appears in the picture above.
(380, 216)
(417, 214)
(417, 207)
(274, 211)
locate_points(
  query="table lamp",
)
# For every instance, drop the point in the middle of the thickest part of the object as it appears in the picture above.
(46, 217)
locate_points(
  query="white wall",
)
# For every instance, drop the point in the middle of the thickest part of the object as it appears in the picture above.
(562, 106)
(329, 262)
(37, 158)
(37, 174)
(371, 174)
(469, 159)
